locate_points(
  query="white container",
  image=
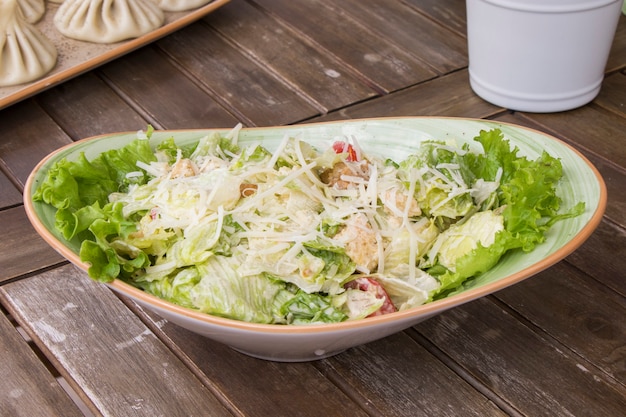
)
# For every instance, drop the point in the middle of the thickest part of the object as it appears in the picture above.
(539, 55)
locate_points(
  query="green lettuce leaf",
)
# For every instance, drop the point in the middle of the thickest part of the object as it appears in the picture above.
(107, 252)
(306, 308)
(215, 145)
(473, 263)
(433, 194)
(529, 206)
(72, 185)
(170, 149)
(175, 288)
(527, 191)
(223, 292)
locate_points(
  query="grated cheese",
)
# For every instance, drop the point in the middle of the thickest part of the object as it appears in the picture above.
(287, 210)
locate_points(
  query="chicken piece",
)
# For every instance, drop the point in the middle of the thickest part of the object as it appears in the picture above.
(360, 242)
(395, 201)
(183, 168)
(333, 176)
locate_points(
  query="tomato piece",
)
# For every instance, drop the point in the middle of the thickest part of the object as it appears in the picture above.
(369, 284)
(343, 147)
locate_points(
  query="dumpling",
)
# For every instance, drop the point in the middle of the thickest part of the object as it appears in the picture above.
(181, 5)
(107, 21)
(25, 53)
(32, 10)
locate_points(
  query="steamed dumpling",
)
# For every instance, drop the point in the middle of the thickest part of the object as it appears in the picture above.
(180, 5)
(25, 53)
(32, 10)
(107, 21)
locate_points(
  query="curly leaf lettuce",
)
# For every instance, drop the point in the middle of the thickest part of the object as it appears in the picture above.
(72, 185)
(528, 201)
(80, 190)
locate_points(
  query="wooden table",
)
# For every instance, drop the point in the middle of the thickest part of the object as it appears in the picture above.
(553, 345)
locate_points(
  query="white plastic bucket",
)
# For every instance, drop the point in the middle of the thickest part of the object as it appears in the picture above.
(539, 55)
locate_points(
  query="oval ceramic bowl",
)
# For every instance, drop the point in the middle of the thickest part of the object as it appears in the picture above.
(389, 137)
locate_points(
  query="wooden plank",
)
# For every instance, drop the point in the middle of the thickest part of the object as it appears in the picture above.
(105, 352)
(535, 374)
(382, 63)
(582, 314)
(321, 77)
(27, 388)
(443, 49)
(613, 94)
(254, 95)
(9, 195)
(591, 128)
(449, 13)
(377, 370)
(86, 106)
(22, 251)
(603, 256)
(28, 135)
(449, 95)
(168, 98)
(617, 57)
(261, 388)
(369, 375)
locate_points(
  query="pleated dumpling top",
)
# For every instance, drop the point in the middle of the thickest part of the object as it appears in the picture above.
(32, 10)
(107, 21)
(25, 53)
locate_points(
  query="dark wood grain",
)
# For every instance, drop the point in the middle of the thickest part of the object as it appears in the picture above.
(587, 325)
(436, 45)
(377, 60)
(603, 256)
(320, 78)
(370, 384)
(377, 369)
(451, 14)
(22, 251)
(612, 95)
(166, 97)
(9, 194)
(97, 106)
(590, 128)
(617, 57)
(103, 349)
(254, 95)
(534, 373)
(449, 95)
(28, 135)
(27, 388)
(261, 387)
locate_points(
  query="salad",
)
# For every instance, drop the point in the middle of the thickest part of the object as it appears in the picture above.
(300, 235)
